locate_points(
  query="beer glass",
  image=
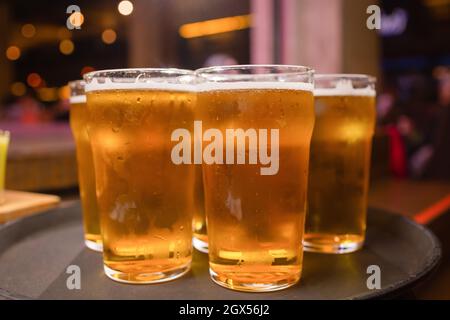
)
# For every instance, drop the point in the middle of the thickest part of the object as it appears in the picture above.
(4, 143)
(200, 238)
(146, 200)
(340, 163)
(79, 117)
(257, 123)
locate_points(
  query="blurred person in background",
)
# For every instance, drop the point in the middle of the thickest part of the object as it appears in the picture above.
(416, 121)
(388, 113)
(438, 151)
(25, 109)
(415, 124)
(28, 110)
(60, 110)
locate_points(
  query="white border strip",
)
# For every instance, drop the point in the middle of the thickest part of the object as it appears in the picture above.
(77, 99)
(365, 92)
(109, 85)
(243, 85)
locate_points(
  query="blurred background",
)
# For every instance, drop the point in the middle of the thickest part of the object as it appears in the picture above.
(410, 56)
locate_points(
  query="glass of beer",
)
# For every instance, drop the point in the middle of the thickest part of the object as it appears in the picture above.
(146, 200)
(200, 237)
(79, 117)
(4, 143)
(257, 122)
(340, 163)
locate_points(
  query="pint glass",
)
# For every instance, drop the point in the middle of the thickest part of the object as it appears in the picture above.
(340, 163)
(4, 143)
(257, 122)
(79, 117)
(146, 201)
(200, 238)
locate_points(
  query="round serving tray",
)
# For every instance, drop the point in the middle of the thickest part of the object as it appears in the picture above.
(36, 251)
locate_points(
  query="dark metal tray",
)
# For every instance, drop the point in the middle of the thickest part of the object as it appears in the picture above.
(35, 252)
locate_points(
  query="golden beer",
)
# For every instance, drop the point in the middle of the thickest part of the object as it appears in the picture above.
(340, 164)
(200, 238)
(256, 221)
(146, 201)
(79, 117)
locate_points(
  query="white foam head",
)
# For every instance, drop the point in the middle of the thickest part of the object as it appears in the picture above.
(264, 85)
(78, 99)
(345, 88)
(94, 85)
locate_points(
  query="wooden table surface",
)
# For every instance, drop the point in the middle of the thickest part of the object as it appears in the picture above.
(40, 157)
(422, 201)
(19, 204)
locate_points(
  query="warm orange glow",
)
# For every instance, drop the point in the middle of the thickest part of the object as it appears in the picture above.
(34, 80)
(63, 33)
(109, 36)
(215, 26)
(436, 3)
(86, 69)
(18, 89)
(434, 211)
(439, 8)
(13, 53)
(66, 47)
(28, 30)
(125, 8)
(76, 19)
(64, 93)
(48, 94)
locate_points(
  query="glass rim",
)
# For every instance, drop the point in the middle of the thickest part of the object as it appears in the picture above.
(343, 84)
(267, 77)
(140, 78)
(346, 76)
(280, 70)
(123, 71)
(77, 90)
(4, 133)
(76, 82)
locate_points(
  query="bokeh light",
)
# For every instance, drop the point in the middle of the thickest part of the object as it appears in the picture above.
(28, 30)
(109, 36)
(48, 94)
(64, 92)
(214, 26)
(13, 53)
(66, 47)
(18, 89)
(76, 19)
(64, 33)
(34, 80)
(125, 7)
(86, 69)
